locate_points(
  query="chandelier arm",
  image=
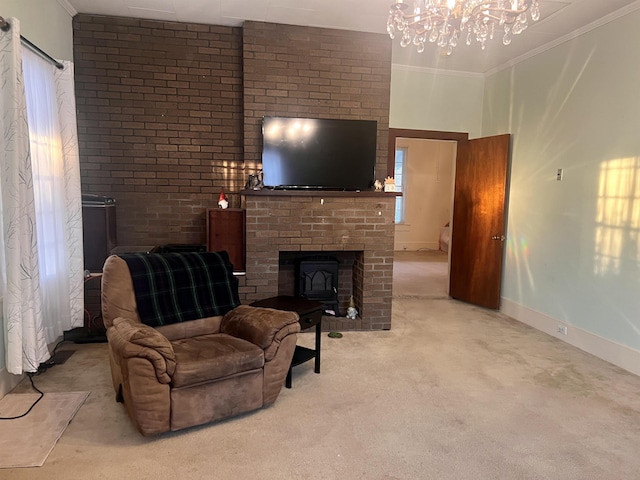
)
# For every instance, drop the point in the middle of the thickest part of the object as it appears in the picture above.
(489, 7)
(418, 18)
(514, 13)
(434, 18)
(417, 31)
(507, 21)
(493, 6)
(424, 30)
(422, 15)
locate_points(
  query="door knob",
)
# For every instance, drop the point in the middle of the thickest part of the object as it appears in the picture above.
(498, 237)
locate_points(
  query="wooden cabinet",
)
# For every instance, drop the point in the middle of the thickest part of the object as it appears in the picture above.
(225, 231)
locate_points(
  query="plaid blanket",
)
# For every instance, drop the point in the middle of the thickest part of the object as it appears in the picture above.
(178, 287)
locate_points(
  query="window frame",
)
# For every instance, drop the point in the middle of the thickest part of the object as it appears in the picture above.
(400, 212)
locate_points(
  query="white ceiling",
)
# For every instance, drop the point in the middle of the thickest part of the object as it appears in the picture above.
(560, 20)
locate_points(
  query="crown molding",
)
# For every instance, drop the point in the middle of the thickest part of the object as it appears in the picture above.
(68, 7)
(632, 7)
(436, 71)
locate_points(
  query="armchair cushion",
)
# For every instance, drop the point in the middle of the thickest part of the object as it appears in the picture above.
(179, 287)
(210, 357)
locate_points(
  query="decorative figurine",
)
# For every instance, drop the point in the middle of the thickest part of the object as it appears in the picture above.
(260, 181)
(222, 200)
(389, 184)
(255, 181)
(378, 185)
(252, 181)
(352, 313)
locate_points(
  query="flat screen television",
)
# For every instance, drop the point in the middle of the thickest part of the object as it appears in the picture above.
(311, 153)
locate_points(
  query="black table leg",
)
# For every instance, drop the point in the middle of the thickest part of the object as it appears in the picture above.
(287, 382)
(318, 337)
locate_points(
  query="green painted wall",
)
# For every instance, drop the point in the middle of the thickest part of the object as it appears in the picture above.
(43, 22)
(422, 99)
(573, 245)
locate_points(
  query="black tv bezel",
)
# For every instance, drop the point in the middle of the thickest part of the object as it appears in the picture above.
(358, 185)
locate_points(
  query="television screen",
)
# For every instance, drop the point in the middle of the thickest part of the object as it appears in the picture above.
(318, 153)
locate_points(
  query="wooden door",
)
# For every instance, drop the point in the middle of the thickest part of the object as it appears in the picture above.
(478, 227)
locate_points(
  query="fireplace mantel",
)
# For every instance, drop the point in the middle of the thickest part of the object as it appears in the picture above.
(321, 222)
(319, 193)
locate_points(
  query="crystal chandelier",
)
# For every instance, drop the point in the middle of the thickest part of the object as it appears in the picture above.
(444, 22)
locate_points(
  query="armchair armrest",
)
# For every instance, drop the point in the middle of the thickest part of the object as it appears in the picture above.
(130, 339)
(260, 326)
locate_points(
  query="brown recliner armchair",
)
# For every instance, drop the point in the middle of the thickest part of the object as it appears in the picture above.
(183, 351)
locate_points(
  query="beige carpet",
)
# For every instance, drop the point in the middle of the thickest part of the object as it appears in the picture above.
(451, 392)
(28, 441)
(423, 274)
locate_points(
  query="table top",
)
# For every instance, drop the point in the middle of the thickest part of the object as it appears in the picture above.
(299, 305)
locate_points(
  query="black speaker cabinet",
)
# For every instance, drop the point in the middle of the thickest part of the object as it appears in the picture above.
(99, 230)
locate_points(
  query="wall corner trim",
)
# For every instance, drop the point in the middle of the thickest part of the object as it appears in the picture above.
(68, 7)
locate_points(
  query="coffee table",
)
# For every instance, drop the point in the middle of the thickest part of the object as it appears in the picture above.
(310, 313)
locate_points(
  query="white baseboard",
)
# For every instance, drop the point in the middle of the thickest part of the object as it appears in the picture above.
(415, 246)
(608, 350)
(8, 381)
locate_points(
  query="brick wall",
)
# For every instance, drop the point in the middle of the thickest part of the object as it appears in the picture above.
(159, 122)
(169, 113)
(314, 72)
(324, 223)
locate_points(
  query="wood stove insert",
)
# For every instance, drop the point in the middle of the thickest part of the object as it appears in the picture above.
(317, 279)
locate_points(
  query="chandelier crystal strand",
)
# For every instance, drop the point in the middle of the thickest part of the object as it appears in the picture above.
(444, 22)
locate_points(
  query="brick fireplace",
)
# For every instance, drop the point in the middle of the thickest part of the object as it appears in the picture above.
(324, 223)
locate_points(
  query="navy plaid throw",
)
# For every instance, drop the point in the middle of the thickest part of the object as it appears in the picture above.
(178, 287)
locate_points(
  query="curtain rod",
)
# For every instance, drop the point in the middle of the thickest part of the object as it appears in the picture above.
(6, 26)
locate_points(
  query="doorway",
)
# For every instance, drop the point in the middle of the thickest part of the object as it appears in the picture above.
(424, 211)
(422, 238)
(478, 223)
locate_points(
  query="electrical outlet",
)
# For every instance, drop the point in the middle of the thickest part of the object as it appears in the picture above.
(563, 329)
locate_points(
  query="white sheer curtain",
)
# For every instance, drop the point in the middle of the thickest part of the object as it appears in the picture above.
(56, 186)
(25, 344)
(41, 254)
(72, 214)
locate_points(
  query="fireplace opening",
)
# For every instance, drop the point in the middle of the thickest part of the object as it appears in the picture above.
(317, 279)
(337, 286)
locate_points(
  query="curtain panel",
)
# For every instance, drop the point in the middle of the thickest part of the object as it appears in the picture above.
(56, 186)
(72, 213)
(41, 248)
(24, 336)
